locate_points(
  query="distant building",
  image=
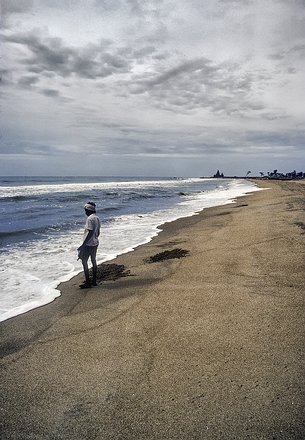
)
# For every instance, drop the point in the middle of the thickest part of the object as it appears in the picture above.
(218, 175)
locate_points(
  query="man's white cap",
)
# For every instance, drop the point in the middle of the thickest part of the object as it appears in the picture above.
(90, 206)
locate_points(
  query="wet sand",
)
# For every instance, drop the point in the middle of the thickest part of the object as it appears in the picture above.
(208, 345)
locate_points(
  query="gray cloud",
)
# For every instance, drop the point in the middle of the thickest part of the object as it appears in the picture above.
(295, 52)
(28, 81)
(32, 82)
(200, 83)
(286, 138)
(50, 92)
(237, 3)
(50, 55)
(19, 146)
(298, 50)
(180, 143)
(15, 6)
(134, 7)
(196, 144)
(5, 76)
(183, 68)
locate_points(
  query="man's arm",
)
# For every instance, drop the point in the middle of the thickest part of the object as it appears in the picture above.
(88, 236)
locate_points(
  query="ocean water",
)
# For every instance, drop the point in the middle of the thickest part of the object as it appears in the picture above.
(42, 220)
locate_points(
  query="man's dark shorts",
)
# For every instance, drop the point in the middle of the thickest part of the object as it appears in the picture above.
(88, 251)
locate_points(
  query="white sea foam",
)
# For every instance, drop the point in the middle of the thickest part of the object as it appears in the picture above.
(29, 274)
(36, 190)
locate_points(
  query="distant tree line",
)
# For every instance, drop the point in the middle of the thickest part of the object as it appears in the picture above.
(270, 175)
(276, 175)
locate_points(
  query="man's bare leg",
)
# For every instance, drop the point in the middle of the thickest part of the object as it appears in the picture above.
(86, 270)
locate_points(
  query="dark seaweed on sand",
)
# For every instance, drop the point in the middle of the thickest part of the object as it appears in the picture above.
(168, 255)
(111, 272)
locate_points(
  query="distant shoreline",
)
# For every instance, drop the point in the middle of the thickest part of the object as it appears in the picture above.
(288, 179)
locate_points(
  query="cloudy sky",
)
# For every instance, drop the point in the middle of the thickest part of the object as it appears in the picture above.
(152, 87)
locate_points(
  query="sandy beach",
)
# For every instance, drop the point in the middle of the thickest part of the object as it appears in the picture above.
(209, 345)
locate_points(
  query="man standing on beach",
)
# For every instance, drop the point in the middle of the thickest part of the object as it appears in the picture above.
(90, 244)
